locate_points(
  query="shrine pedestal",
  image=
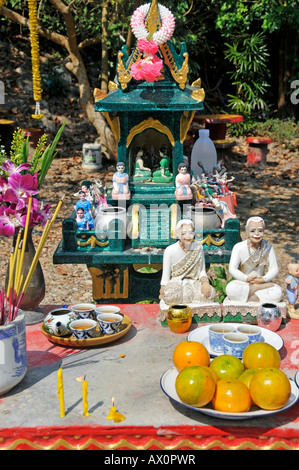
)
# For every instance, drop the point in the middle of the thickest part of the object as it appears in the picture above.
(245, 312)
(204, 312)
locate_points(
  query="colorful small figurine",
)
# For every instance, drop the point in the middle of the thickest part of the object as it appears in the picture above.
(292, 281)
(86, 186)
(120, 183)
(182, 183)
(83, 202)
(100, 194)
(163, 175)
(209, 191)
(81, 220)
(141, 173)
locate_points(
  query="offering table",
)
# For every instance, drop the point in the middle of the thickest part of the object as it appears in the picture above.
(129, 370)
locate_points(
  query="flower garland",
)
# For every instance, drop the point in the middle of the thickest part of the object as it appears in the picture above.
(150, 66)
(36, 78)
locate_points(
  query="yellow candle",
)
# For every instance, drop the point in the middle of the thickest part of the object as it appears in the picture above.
(60, 393)
(84, 397)
(115, 415)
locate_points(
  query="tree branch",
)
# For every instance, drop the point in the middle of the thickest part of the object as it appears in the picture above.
(44, 32)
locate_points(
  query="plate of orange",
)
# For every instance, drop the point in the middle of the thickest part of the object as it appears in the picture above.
(201, 334)
(168, 386)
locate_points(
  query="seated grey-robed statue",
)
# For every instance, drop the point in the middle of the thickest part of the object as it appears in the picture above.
(253, 266)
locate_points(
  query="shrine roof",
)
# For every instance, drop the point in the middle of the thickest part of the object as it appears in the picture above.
(151, 97)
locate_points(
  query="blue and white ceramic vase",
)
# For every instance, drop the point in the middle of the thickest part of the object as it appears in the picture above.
(13, 354)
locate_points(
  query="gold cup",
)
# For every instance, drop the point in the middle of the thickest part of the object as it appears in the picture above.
(179, 318)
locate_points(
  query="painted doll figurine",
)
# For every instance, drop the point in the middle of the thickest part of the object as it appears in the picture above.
(86, 187)
(84, 220)
(184, 277)
(253, 266)
(292, 281)
(141, 173)
(182, 183)
(83, 202)
(120, 183)
(208, 190)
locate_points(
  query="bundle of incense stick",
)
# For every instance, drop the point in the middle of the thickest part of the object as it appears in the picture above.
(11, 300)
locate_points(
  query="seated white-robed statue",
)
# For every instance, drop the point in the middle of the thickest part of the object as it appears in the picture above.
(253, 266)
(184, 279)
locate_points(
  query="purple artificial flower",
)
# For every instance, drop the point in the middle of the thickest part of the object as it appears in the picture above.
(15, 190)
(7, 226)
(10, 168)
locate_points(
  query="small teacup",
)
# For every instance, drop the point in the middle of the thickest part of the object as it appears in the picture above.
(107, 309)
(84, 310)
(109, 323)
(216, 333)
(234, 344)
(254, 333)
(83, 328)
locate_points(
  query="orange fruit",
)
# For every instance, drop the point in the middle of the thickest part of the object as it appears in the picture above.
(231, 396)
(260, 354)
(270, 388)
(247, 375)
(227, 366)
(190, 353)
(195, 386)
(214, 375)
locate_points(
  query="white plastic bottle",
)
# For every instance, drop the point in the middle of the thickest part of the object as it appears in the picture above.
(203, 151)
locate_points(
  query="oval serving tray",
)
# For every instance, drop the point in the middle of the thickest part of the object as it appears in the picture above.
(71, 342)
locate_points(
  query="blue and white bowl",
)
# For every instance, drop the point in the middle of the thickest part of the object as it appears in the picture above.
(234, 344)
(254, 333)
(109, 323)
(83, 328)
(216, 333)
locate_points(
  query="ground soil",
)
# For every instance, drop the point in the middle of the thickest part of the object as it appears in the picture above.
(270, 191)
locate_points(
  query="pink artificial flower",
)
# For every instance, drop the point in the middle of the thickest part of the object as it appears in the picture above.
(149, 71)
(147, 46)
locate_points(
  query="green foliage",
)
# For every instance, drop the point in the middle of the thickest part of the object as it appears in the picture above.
(219, 278)
(48, 156)
(42, 157)
(249, 56)
(19, 148)
(283, 131)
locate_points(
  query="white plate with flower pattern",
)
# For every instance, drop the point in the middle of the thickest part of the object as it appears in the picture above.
(167, 383)
(201, 335)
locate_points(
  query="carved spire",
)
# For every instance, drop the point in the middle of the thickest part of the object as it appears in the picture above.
(153, 20)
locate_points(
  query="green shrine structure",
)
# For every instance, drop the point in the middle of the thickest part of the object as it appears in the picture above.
(125, 257)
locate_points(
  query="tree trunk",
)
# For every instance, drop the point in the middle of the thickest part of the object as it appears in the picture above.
(286, 58)
(105, 66)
